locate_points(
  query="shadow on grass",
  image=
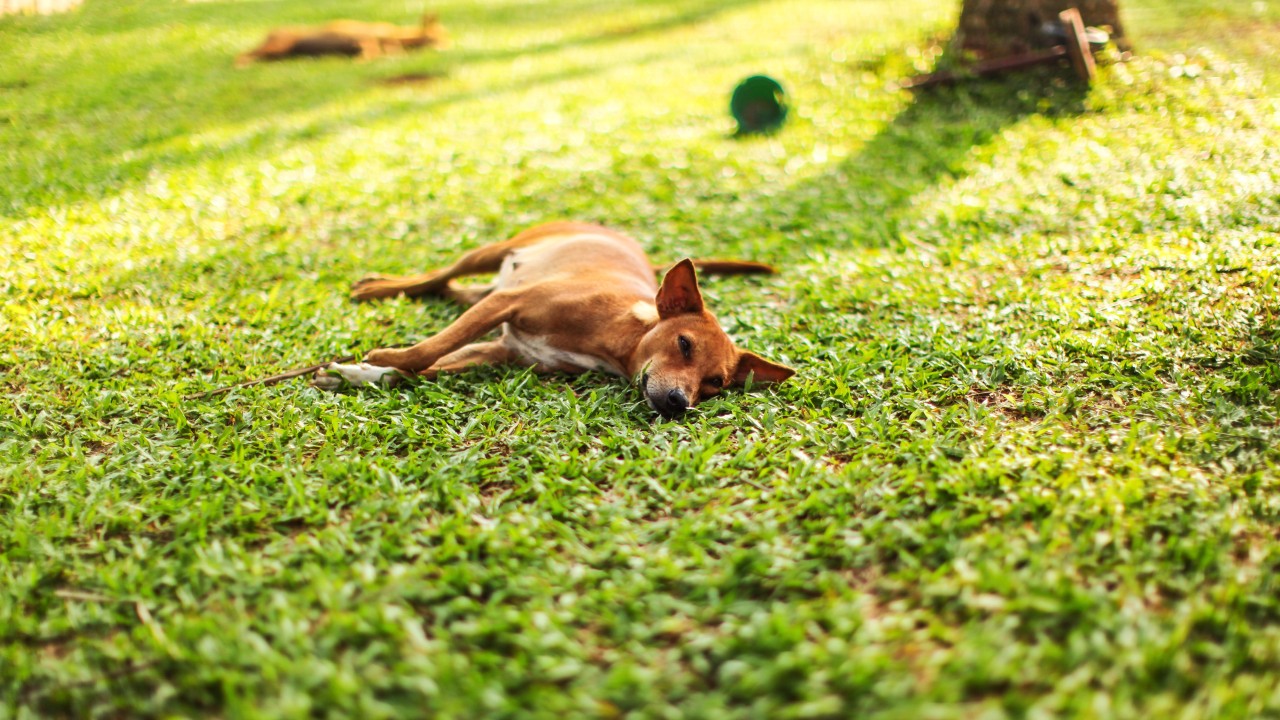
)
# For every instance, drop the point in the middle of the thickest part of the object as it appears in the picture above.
(928, 142)
(868, 200)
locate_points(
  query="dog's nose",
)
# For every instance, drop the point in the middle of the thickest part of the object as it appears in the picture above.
(677, 401)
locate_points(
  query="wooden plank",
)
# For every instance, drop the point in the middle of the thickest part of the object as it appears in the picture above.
(1078, 45)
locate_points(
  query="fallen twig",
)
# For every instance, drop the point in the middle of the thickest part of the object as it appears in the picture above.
(81, 596)
(269, 380)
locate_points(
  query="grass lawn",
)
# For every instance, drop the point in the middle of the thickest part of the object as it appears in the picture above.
(1030, 466)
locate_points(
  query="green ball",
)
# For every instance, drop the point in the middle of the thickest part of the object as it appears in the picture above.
(759, 104)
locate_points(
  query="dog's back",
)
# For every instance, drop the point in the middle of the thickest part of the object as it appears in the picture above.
(592, 256)
(430, 33)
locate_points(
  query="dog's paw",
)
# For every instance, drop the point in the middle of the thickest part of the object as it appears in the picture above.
(323, 380)
(336, 376)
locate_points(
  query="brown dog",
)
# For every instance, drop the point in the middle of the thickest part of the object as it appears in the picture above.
(572, 297)
(351, 38)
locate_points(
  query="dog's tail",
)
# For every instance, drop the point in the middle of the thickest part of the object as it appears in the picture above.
(725, 267)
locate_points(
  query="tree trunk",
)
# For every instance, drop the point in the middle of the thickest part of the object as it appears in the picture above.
(996, 28)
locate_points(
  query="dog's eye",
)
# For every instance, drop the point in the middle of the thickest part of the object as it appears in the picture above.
(685, 348)
(717, 381)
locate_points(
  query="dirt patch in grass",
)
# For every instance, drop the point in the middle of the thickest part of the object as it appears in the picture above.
(97, 447)
(1008, 402)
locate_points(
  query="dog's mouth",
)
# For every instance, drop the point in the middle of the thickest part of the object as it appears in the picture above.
(670, 404)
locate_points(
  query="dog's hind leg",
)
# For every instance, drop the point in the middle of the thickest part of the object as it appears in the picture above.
(486, 259)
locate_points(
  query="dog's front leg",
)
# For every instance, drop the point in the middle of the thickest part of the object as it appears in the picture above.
(388, 366)
(495, 309)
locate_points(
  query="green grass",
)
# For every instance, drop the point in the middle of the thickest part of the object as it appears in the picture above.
(1028, 468)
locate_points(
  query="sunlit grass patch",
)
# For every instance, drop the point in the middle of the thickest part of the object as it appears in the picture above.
(1028, 467)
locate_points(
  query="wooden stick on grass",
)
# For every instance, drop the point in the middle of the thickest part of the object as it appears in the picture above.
(269, 380)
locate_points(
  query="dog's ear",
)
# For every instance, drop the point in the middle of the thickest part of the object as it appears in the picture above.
(760, 370)
(679, 292)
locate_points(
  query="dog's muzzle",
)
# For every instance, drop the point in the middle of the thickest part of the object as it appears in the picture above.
(668, 403)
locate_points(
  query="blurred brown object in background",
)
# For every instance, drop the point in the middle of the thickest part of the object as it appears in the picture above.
(1000, 28)
(352, 38)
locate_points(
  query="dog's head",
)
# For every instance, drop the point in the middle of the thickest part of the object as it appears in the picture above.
(687, 357)
(431, 32)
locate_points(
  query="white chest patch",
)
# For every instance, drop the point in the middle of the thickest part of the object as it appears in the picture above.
(536, 349)
(647, 312)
